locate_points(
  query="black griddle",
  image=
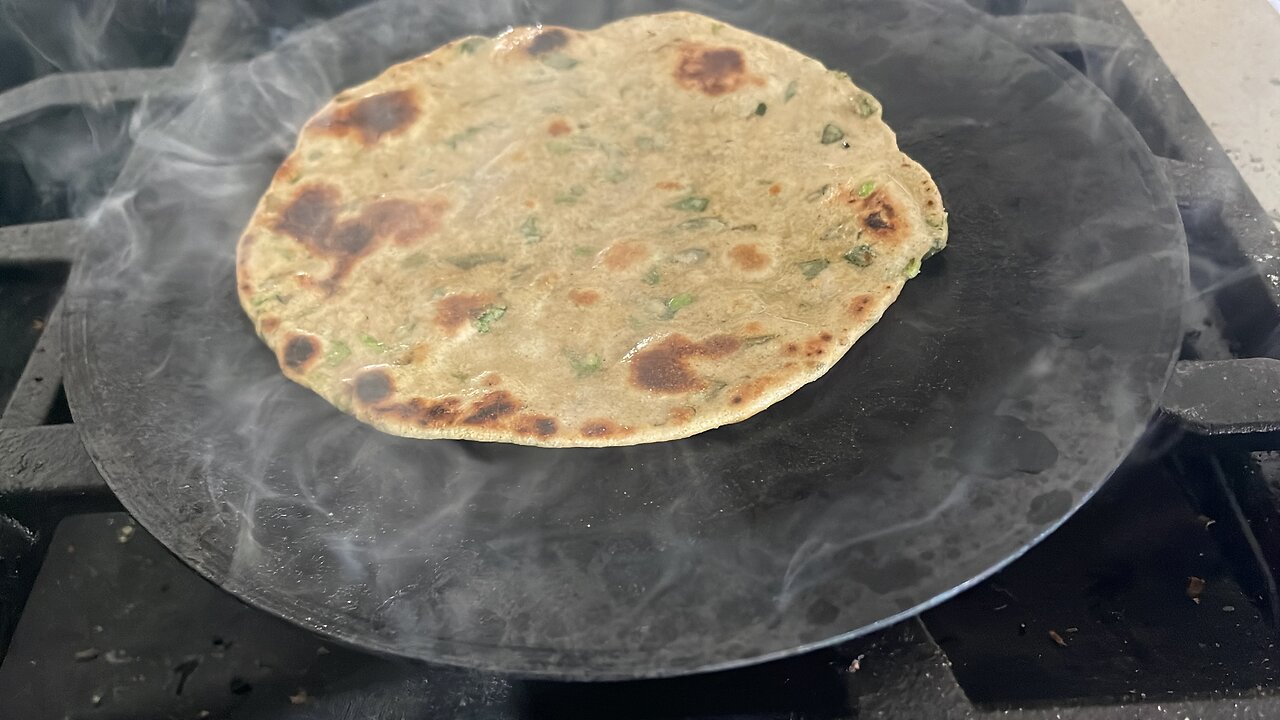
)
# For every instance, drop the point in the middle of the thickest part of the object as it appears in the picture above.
(996, 395)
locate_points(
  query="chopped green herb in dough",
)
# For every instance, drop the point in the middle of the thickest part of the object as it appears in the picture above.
(530, 230)
(811, 268)
(653, 277)
(485, 320)
(559, 61)
(474, 260)
(841, 75)
(761, 109)
(417, 259)
(818, 194)
(790, 92)
(692, 204)
(559, 147)
(867, 188)
(757, 340)
(583, 250)
(373, 343)
(866, 106)
(913, 268)
(676, 304)
(468, 46)
(586, 365)
(703, 223)
(831, 134)
(453, 141)
(861, 256)
(338, 351)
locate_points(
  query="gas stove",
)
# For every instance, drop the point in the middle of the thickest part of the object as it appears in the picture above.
(1157, 599)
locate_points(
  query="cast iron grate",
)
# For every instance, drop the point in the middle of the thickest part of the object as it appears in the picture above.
(114, 621)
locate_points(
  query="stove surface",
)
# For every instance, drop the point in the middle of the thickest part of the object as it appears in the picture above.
(1157, 599)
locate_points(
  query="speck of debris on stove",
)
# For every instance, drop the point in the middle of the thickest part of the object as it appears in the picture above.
(87, 654)
(299, 698)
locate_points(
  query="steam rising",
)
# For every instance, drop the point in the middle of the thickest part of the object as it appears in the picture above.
(812, 520)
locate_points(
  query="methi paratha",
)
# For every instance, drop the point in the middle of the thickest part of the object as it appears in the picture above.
(565, 238)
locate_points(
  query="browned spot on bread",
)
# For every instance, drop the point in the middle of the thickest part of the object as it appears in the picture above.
(373, 386)
(539, 425)
(754, 327)
(270, 324)
(455, 311)
(440, 412)
(791, 348)
(551, 38)
(443, 411)
(584, 298)
(669, 185)
(530, 204)
(598, 428)
(752, 389)
(309, 217)
(664, 367)
(300, 352)
(748, 257)
(817, 346)
(878, 214)
(682, 414)
(711, 70)
(419, 352)
(775, 189)
(558, 127)
(491, 409)
(623, 255)
(372, 118)
(285, 173)
(859, 306)
(404, 221)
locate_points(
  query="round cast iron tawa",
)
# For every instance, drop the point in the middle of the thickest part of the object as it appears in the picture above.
(994, 397)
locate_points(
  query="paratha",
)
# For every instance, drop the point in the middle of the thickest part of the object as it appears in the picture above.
(584, 238)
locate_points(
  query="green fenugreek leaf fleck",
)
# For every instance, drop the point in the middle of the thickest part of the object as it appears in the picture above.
(261, 299)
(692, 204)
(559, 61)
(338, 351)
(653, 277)
(790, 92)
(586, 365)
(761, 109)
(913, 268)
(615, 174)
(703, 223)
(818, 194)
(417, 259)
(811, 268)
(867, 188)
(840, 74)
(757, 340)
(530, 230)
(474, 260)
(373, 343)
(583, 250)
(485, 320)
(453, 141)
(866, 106)
(861, 256)
(676, 304)
(831, 134)
(559, 147)
(468, 46)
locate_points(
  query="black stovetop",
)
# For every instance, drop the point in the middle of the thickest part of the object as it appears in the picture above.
(1159, 597)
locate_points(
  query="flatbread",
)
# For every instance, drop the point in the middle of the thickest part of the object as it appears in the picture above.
(565, 238)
